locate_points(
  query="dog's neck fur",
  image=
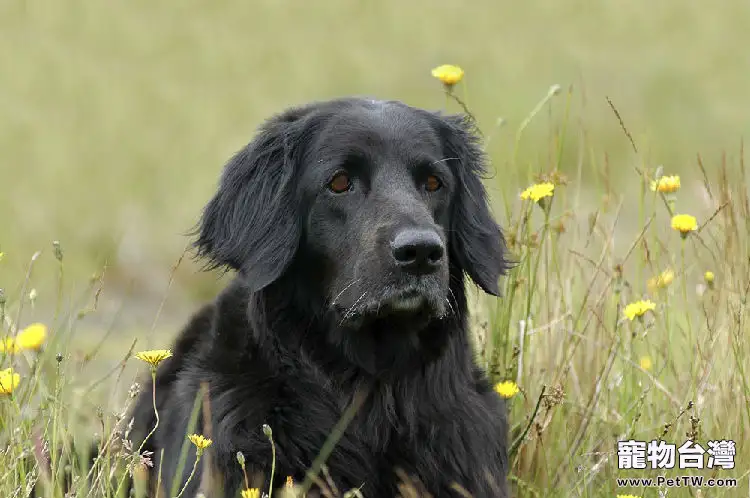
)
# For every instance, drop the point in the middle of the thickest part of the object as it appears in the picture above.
(430, 377)
(438, 355)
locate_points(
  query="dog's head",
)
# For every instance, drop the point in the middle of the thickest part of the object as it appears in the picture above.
(377, 204)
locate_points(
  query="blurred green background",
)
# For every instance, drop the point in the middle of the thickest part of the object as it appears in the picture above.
(116, 117)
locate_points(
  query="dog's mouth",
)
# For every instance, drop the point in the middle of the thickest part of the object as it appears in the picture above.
(396, 303)
(405, 301)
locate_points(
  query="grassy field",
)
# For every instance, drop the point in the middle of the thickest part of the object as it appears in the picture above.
(117, 118)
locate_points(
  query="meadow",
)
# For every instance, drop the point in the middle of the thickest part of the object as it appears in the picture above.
(118, 118)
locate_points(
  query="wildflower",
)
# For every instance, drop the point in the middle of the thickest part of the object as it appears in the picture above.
(646, 363)
(32, 337)
(2, 255)
(251, 493)
(638, 309)
(8, 381)
(506, 389)
(666, 184)
(154, 357)
(709, 277)
(448, 74)
(289, 482)
(538, 191)
(145, 459)
(684, 223)
(8, 345)
(662, 280)
(200, 442)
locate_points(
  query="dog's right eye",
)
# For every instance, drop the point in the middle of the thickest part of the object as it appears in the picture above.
(340, 183)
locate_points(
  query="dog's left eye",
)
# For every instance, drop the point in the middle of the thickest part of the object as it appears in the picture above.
(340, 183)
(432, 183)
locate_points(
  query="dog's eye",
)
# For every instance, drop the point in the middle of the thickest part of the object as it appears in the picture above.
(433, 183)
(340, 183)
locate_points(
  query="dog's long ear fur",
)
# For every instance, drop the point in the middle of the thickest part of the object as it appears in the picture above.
(251, 225)
(476, 242)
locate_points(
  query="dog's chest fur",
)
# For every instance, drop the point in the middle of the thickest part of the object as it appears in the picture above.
(434, 424)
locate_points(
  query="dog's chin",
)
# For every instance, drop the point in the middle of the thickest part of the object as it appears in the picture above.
(410, 305)
(406, 303)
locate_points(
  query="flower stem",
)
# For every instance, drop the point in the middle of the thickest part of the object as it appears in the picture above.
(519, 439)
(140, 448)
(192, 473)
(685, 297)
(273, 465)
(156, 412)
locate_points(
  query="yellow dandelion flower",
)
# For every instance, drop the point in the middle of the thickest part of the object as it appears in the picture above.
(289, 482)
(448, 74)
(251, 493)
(2, 255)
(662, 280)
(201, 442)
(8, 345)
(646, 363)
(684, 223)
(538, 191)
(709, 277)
(32, 337)
(666, 184)
(9, 380)
(638, 309)
(154, 356)
(506, 389)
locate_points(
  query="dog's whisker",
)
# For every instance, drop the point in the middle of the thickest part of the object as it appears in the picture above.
(445, 159)
(358, 300)
(333, 302)
(352, 309)
(455, 300)
(453, 312)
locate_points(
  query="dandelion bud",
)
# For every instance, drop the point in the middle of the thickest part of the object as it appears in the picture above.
(709, 279)
(33, 295)
(241, 459)
(58, 250)
(59, 357)
(267, 431)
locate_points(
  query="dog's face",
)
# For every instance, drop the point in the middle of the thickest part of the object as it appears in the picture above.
(382, 202)
(377, 189)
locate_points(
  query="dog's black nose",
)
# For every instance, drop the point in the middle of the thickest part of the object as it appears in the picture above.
(418, 251)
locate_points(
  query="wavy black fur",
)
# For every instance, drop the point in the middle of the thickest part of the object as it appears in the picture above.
(310, 318)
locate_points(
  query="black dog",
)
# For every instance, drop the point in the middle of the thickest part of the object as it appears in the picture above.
(350, 224)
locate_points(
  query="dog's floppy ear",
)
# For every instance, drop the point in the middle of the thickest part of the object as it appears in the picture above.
(251, 225)
(476, 242)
